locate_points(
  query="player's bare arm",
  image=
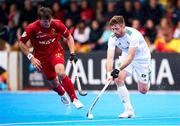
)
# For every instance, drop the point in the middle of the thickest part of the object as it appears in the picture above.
(125, 63)
(130, 57)
(35, 62)
(110, 57)
(109, 62)
(24, 48)
(70, 42)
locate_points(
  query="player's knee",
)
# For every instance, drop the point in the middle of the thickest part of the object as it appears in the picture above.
(119, 81)
(144, 91)
(143, 87)
(60, 70)
(61, 73)
(121, 78)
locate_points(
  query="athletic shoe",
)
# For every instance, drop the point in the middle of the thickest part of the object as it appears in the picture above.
(77, 103)
(65, 100)
(127, 114)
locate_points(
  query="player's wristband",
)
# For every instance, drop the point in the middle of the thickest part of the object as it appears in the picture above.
(30, 56)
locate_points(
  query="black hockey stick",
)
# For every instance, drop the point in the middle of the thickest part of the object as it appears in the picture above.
(81, 92)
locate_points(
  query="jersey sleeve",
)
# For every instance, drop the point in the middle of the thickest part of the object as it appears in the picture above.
(27, 34)
(62, 29)
(111, 43)
(134, 41)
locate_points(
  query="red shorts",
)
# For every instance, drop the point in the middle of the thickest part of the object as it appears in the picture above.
(48, 66)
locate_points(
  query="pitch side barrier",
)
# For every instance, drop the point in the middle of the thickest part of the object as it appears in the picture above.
(92, 72)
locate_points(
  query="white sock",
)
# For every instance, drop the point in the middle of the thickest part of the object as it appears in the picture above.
(124, 96)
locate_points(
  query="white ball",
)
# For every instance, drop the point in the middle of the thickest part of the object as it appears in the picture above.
(90, 116)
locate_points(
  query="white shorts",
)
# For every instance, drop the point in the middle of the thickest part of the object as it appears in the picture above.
(142, 70)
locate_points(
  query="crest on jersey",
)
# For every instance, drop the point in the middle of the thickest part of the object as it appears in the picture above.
(53, 31)
(24, 34)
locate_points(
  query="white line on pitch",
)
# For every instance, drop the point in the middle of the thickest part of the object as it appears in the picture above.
(74, 121)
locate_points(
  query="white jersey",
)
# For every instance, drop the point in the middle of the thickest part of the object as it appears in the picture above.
(131, 38)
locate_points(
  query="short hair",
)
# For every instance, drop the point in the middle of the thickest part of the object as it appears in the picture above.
(116, 20)
(44, 13)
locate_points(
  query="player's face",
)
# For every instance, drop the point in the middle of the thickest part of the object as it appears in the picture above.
(118, 29)
(45, 23)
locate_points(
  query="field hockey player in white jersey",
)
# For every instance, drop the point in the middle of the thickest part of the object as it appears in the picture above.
(135, 58)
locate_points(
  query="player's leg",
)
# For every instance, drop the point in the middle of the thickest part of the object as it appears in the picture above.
(124, 95)
(57, 87)
(57, 61)
(54, 82)
(143, 73)
(143, 87)
(122, 90)
(67, 84)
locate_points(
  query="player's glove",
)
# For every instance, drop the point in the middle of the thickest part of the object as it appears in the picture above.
(73, 57)
(115, 73)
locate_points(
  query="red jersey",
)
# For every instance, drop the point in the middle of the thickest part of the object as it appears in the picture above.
(45, 41)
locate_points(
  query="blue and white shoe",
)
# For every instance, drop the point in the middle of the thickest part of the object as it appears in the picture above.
(65, 100)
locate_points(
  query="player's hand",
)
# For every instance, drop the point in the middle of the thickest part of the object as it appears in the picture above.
(115, 73)
(109, 77)
(73, 57)
(36, 63)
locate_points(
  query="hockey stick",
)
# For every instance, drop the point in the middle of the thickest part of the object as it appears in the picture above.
(81, 92)
(89, 113)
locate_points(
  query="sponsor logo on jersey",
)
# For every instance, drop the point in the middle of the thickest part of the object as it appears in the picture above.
(123, 46)
(41, 36)
(46, 42)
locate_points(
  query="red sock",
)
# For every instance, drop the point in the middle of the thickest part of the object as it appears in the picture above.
(68, 86)
(60, 90)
